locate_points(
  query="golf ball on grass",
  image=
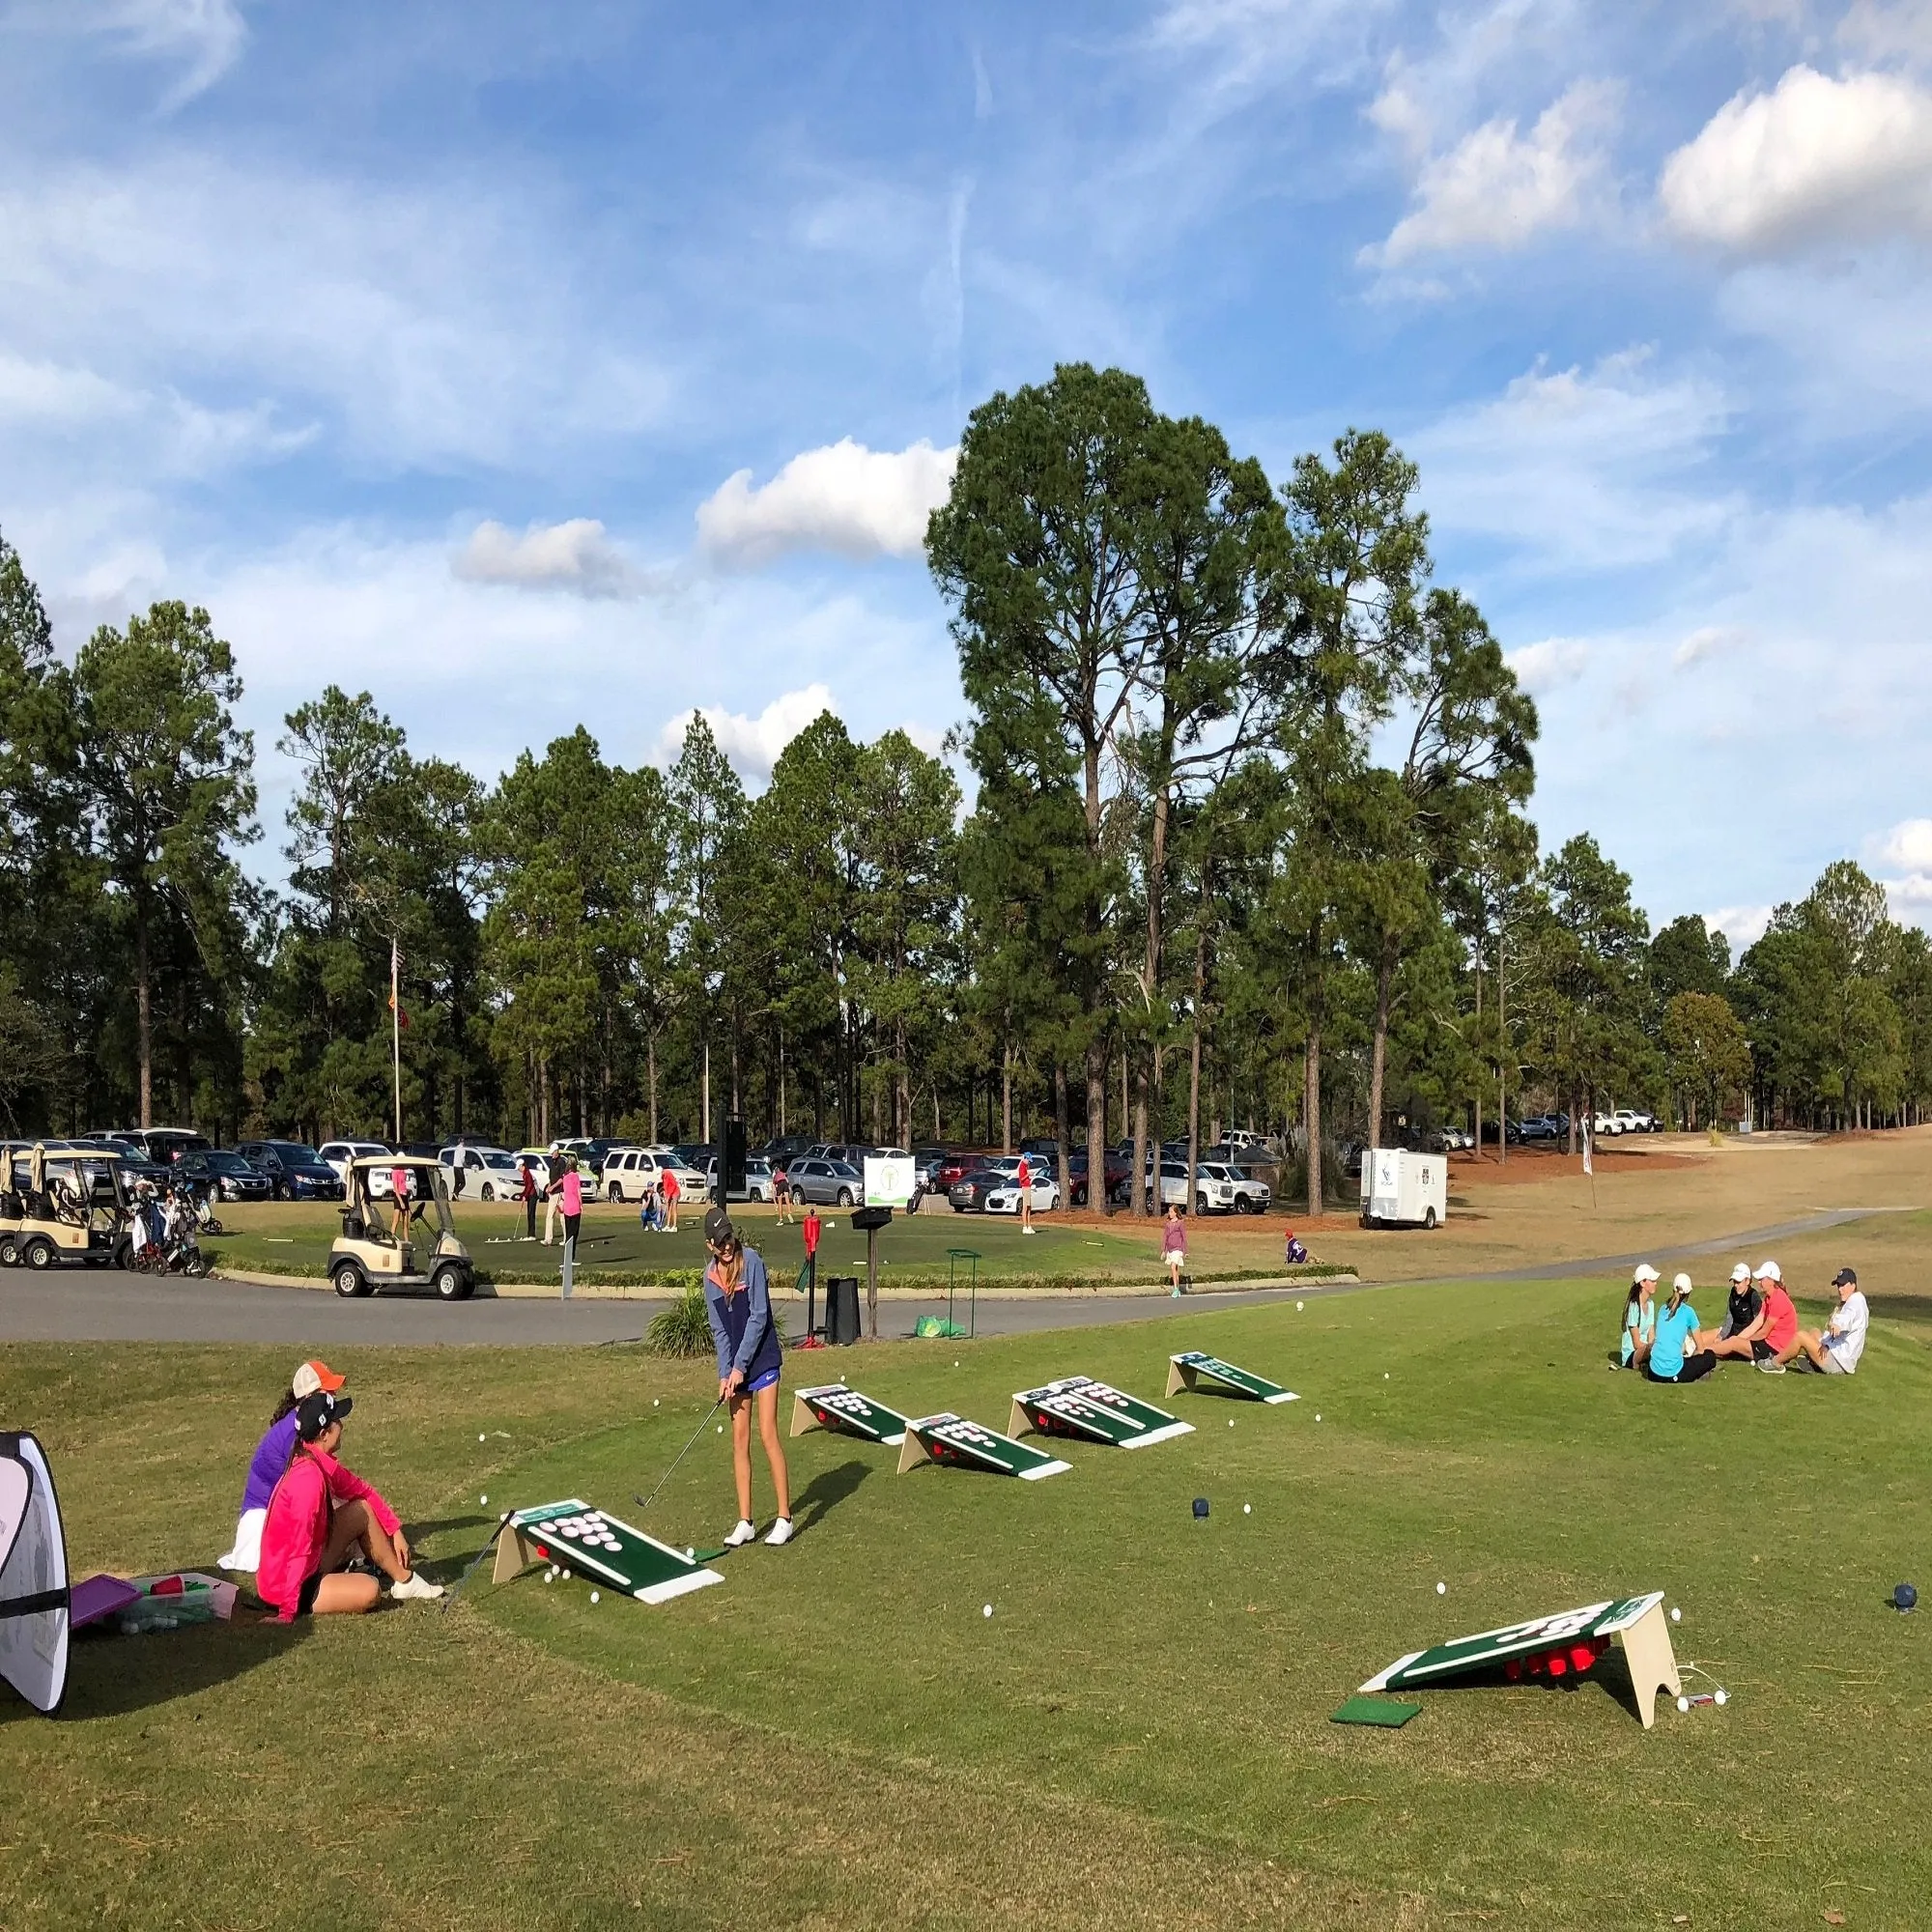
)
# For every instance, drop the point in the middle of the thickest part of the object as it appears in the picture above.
(1442, 1589)
(1722, 1696)
(1247, 1509)
(1676, 1615)
(593, 1596)
(987, 1611)
(654, 1402)
(482, 1499)
(721, 1429)
(1297, 1307)
(1682, 1703)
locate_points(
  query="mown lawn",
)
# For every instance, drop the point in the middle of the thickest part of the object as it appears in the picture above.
(1138, 1735)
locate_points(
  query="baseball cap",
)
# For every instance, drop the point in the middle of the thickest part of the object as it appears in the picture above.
(1844, 1277)
(717, 1226)
(1769, 1271)
(315, 1413)
(1741, 1274)
(1680, 1284)
(313, 1376)
(1645, 1272)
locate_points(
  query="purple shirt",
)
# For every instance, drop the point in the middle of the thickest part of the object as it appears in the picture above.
(271, 1461)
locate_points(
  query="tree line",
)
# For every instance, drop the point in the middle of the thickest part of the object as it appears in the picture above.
(1247, 845)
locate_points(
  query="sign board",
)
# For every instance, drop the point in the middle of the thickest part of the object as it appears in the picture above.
(958, 1444)
(1637, 1622)
(1078, 1406)
(1193, 1370)
(844, 1411)
(890, 1180)
(598, 1546)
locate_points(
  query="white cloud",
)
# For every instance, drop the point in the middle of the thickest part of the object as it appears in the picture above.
(856, 501)
(1496, 190)
(203, 37)
(1906, 847)
(752, 743)
(1814, 158)
(1741, 926)
(1550, 665)
(1707, 641)
(1881, 29)
(575, 556)
(1579, 469)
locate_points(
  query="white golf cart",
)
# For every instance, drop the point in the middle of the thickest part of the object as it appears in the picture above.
(62, 1205)
(387, 1245)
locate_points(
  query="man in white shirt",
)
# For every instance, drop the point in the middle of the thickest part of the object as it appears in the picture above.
(1835, 1350)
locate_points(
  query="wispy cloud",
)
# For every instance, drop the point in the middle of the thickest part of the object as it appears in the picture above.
(203, 37)
(1706, 641)
(1550, 663)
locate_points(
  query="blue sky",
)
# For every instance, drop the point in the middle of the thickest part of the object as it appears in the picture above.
(537, 366)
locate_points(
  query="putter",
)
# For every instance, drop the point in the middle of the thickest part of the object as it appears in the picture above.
(450, 1594)
(645, 1502)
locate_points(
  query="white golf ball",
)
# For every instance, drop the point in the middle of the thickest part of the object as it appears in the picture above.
(1386, 1374)
(479, 1437)
(721, 1429)
(566, 1576)
(1247, 1509)
(1722, 1696)
(482, 1499)
(1317, 1415)
(987, 1611)
(1682, 1703)
(549, 1575)
(593, 1596)
(1231, 1422)
(654, 1402)
(1442, 1589)
(1298, 1307)
(1676, 1615)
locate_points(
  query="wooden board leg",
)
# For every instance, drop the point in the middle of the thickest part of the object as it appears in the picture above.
(912, 1452)
(1018, 1422)
(802, 1417)
(1652, 1663)
(1178, 1379)
(513, 1557)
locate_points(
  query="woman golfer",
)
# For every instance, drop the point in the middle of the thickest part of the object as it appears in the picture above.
(1173, 1246)
(738, 1305)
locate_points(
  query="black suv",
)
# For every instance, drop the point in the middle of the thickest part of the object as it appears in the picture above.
(224, 1174)
(295, 1171)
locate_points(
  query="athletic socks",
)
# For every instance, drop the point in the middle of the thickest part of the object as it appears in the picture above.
(742, 1534)
(414, 1584)
(781, 1532)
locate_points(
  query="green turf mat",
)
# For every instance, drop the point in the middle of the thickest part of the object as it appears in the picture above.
(1381, 1711)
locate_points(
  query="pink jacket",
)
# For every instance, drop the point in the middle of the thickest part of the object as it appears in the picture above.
(297, 1531)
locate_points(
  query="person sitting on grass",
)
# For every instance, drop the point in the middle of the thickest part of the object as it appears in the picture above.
(1742, 1337)
(1835, 1348)
(320, 1518)
(1296, 1251)
(1639, 1317)
(1174, 1248)
(738, 1306)
(648, 1217)
(1779, 1331)
(1676, 1351)
(271, 1459)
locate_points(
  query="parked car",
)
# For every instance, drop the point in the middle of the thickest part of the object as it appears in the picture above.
(225, 1174)
(827, 1184)
(487, 1172)
(1232, 1189)
(1005, 1199)
(927, 1164)
(1630, 1122)
(1116, 1167)
(164, 1146)
(968, 1194)
(1603, 1125)
(1452, 1140)
(1259, 1145)
(632, 1173)
(757, 1178)
(295, 1171)
(135, 1166)
(338, 1154)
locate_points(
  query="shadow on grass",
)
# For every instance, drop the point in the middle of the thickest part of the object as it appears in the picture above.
(111, 1676)
(827, 1491)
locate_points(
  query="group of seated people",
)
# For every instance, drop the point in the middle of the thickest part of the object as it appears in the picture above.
(317, 1537)
(1668, 1344)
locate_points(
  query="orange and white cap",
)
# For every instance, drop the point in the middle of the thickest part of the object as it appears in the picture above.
(313, 1378)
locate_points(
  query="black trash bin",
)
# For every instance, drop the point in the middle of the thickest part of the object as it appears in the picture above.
(842, 1309)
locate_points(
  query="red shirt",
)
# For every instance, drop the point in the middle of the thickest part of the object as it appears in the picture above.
(1025, 1174)
(1781, 1319)
(297, 1530)
(671, 1190)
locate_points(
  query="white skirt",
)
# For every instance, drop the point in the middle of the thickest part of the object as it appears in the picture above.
(247, 1552)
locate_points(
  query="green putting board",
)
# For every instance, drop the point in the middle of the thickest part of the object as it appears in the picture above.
(846, 1412)
(1191, 1371)
(1091, 1411)
(1383, 1713)
(592, 1545)
(1637, 1623)
(958, 1444)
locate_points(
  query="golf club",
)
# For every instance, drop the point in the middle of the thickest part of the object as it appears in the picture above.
(645, 1502)
(450, 1594)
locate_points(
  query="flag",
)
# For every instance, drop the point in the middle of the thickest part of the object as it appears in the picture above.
(401, 1018)
(1587, 1168)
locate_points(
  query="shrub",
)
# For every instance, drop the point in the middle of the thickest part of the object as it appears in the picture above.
(681, 1329)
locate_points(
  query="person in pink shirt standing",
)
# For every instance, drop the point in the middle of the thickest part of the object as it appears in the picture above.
(320, 1515)
(672, 1191)
(568, 1187)
(1173, 1246)
(399, 1187)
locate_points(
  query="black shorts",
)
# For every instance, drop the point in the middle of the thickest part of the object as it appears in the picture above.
(1695, 1367)
(305, 1597)
(1762, 1352)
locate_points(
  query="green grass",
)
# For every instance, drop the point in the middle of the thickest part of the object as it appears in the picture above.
(1138, 1735)
(614, 1248)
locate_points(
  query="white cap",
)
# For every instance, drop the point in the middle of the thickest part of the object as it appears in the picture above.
(1768, 1271)
(1680, 1284)
(1741, 1274)
(1645, 1272)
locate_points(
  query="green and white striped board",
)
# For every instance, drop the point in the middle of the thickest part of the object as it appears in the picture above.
(955, 1443)
(1637, 1623)
(1190, 1369)
(593, 1545)
(1091, 1411)
(846, 1412)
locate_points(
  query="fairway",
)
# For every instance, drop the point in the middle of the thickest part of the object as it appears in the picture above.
(1138, 1734)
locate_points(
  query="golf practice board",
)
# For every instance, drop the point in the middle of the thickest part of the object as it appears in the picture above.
(844, 1411)
(956, 1444)
(591, 1544)
(1637, 1623)
(34, 1601)
(1091, 1411)
(1191, 1370)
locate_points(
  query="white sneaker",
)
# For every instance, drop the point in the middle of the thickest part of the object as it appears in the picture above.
(781, 1532)
(746, 1530)
(414, 1584)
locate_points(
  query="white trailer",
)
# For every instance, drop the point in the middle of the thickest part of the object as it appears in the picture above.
(1401, 1190)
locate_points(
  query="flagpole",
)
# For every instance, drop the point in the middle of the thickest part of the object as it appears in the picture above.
(396, 1032)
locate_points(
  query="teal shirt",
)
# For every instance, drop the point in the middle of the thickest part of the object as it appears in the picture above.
(1673, 1331)
(1639, 1323)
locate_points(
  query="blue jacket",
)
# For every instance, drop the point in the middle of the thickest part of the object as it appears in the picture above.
(742, 1328)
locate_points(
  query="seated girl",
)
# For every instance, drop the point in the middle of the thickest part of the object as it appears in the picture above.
(1677, 1352)
(1639, 1317)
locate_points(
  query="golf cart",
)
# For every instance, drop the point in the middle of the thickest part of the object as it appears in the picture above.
(61, 1206)
(373, 1252)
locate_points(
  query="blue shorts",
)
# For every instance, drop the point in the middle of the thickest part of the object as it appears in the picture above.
(768, 1381)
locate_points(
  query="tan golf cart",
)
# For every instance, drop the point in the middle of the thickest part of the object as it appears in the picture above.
(374, 1251)
(62, 1205)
